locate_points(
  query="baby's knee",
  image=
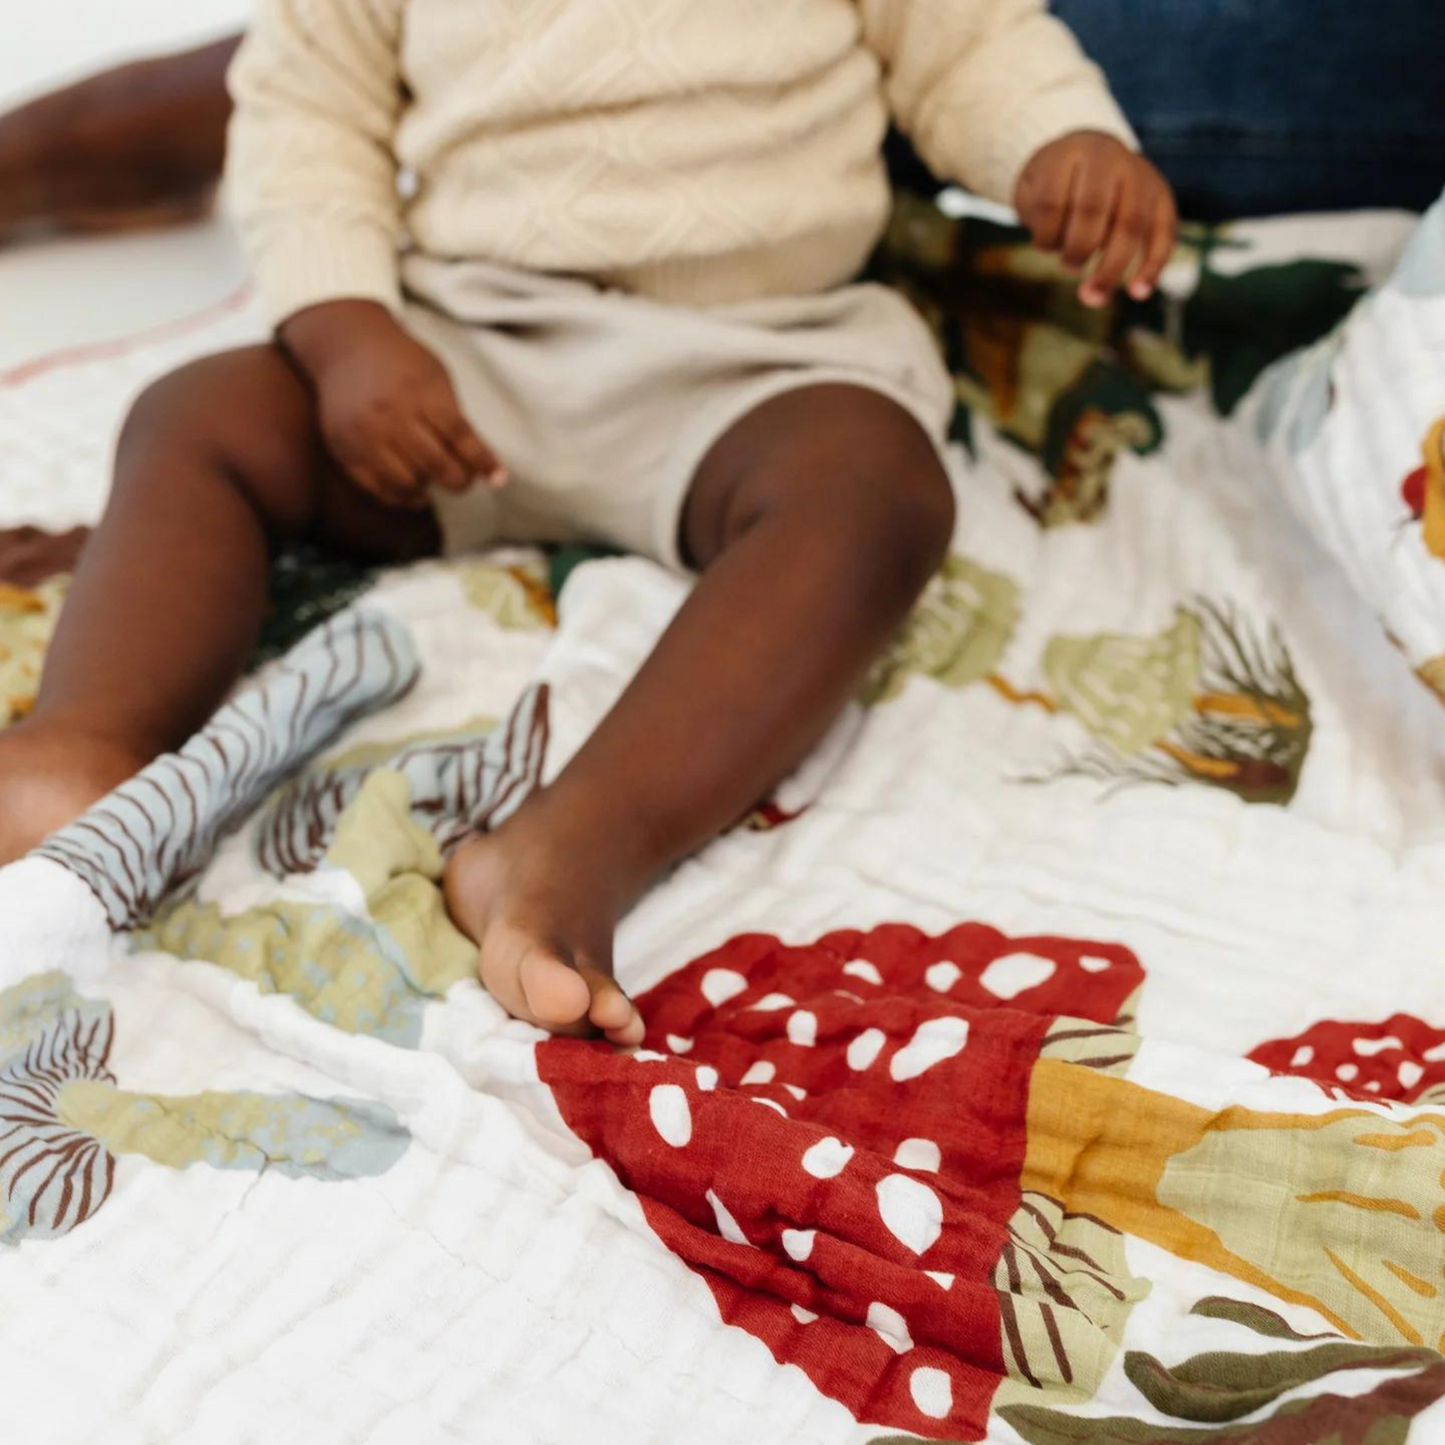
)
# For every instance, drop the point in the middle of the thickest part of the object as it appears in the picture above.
(243, 417)
(895, 500)
(923, 512)
(186, 406)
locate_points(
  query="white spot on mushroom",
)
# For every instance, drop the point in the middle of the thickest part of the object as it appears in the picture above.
(844, 993)
(934, 1041)
(762, 1072)
(944, 1281)
(1434, 1055)
(941, 977)
(1302, 1056)
(890, 1327)
(921, 1154)
(721, 984)
(803, 1029)
(861, 968)
(647, 1056)
(706, 1077)
(1409, 1073)
(1346, 1072)
(727, 1226)
(795, 1091)
(827, 1158)
(1092, 963)
(932, 1392)
(911, 1211)
(772, 1003)
(670, 1115)
(803, 1317)
(771, 1104)
(1373, 1087)
(798, 1243)
(1014, 973)
(865, 1048)
(1368, 1048)
(677, 1045)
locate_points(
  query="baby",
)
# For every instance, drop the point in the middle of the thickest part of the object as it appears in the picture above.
(552, 271)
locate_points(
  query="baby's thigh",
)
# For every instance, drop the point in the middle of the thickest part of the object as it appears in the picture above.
(843, 462)
(247, 420)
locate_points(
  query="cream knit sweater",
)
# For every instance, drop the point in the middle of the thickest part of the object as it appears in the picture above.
(696, 151)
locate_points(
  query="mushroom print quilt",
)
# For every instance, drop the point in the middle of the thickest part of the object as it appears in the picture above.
(1058, 1057)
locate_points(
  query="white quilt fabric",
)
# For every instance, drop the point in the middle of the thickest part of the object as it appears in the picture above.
(470, 1271)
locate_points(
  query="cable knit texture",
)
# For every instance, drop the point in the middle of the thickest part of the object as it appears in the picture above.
(695, 151)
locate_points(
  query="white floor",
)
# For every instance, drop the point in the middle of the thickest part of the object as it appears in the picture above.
(66, 293)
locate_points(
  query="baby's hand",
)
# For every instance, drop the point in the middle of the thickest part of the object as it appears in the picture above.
(388, 412)
(1090, 198)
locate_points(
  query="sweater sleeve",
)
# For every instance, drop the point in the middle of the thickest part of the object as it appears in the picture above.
(311, 173)
(981, 85)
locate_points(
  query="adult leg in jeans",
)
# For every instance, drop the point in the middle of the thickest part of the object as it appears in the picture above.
(1262, 106)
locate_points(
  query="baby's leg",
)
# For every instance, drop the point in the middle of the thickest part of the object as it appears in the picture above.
(816, 522)
(216, 463)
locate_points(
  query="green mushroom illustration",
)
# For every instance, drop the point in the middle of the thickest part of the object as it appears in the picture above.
(64, 1120)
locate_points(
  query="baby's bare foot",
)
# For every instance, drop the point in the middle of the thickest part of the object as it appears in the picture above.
(542, 915)
(49, 777)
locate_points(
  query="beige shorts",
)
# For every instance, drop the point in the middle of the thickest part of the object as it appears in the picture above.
(603, 405)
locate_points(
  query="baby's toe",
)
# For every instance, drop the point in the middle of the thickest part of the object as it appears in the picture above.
(556, 993)
(630, 1035)
(610, 1009)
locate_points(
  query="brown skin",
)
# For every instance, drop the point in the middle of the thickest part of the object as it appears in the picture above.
(814, 523)
(1103, 210)
(387, 410)
(139, 145)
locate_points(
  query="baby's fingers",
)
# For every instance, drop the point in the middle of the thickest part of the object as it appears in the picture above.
(1091, 213)
(389, 478)
(1127, 238)
(478, 459)
(1163, 236)
(1043, 205)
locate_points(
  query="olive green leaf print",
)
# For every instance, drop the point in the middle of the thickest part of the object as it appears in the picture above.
(1215, 1391)
(1221, 1386)
(1382, 1415)
(1212, 699)
(957, 634)
(349, 972)
(63, 1120)
(1252, 1317)
(1128, 691)
(366, 975)
(293, 1135)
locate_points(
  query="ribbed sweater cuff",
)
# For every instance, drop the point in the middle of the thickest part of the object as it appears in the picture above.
(307, 265)
(1015, 140)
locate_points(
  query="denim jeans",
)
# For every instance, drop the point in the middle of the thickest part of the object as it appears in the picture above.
(1255, 106)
